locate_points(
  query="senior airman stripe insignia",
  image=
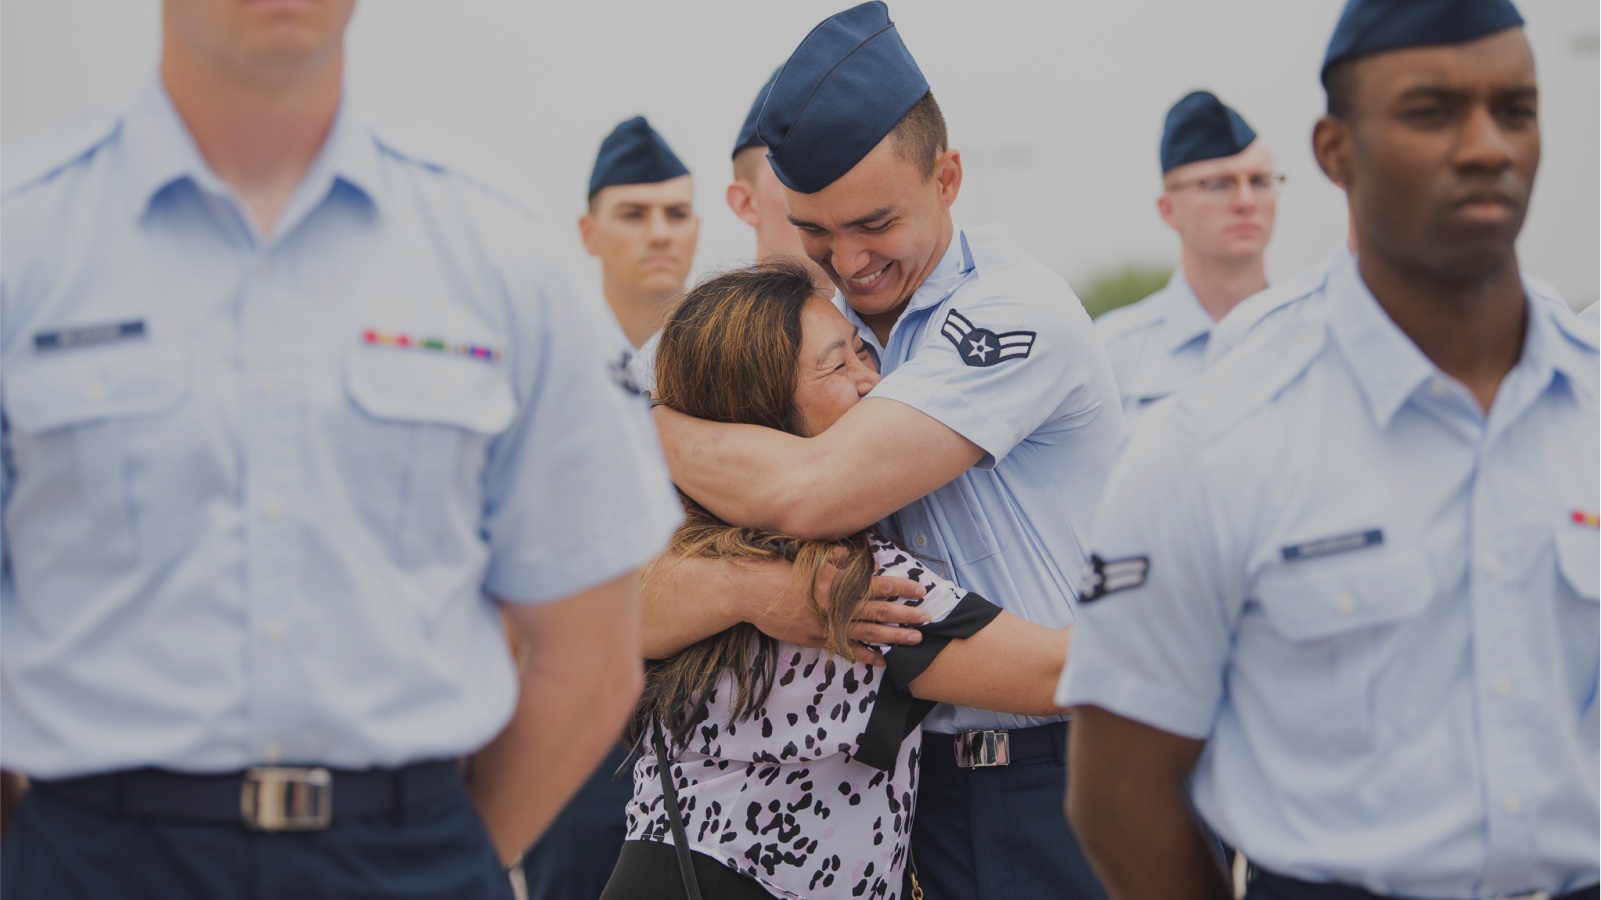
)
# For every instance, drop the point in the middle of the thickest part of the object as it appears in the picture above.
(983, 347)
(1108, 576)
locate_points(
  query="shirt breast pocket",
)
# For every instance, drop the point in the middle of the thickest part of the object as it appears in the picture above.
(1339, 631)
(420, 435)
(1578, 562)
(88, 432)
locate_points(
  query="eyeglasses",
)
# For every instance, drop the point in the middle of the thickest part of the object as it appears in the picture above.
(1221, 186)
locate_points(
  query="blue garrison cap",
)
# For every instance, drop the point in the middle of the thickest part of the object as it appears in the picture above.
(1373, 26)
(841, 92)
(1201, 127)
(747, 132)
(634, 154)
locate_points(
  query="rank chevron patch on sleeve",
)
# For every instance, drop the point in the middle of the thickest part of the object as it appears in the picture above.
(982, 347)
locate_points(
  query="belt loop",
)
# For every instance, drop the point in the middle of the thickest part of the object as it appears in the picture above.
(1059, 740)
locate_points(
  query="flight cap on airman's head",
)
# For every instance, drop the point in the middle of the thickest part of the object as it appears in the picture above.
(1200, 127)
(842, 91)
(1374, 26)
(633, 154)
(747, 132)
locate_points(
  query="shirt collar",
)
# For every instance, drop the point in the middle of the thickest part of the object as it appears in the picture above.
(1183, 318)
(1389, 368)
(952, 268)
(161, 151)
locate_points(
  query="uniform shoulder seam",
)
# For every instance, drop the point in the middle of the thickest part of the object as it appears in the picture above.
(37, 158)
(461, 160)
(1247, 380)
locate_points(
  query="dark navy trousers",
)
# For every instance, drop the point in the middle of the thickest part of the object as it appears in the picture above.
(999, 833)
(54, 850)
(579, 850)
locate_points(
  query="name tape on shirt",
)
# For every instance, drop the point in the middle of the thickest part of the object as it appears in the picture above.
(1343, 543)
(88, 335)
(1108, 576)
(982, 347)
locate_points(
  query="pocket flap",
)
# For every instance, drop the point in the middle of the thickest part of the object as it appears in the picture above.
(415, 386)
(46, 391)
(1307, 601)
(1579, 558)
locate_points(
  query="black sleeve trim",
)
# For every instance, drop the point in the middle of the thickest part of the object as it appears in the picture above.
(895, 711)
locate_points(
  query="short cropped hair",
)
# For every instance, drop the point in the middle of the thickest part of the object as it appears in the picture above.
(920, 135)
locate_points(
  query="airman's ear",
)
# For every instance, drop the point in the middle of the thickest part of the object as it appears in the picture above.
(1331, 144)
(742, 200)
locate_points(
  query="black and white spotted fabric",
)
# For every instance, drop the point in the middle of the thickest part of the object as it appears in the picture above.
(814, 796)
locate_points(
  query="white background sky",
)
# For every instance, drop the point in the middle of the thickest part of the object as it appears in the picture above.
(1057, 107)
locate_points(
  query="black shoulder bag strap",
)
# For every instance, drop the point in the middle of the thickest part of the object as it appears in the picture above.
(686, 863)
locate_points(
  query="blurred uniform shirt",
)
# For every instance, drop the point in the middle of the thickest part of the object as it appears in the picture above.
(998, 349)
(1376, 604)
(1157, 345)
(259, 490)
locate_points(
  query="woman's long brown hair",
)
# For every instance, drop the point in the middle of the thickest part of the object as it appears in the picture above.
(728, 353)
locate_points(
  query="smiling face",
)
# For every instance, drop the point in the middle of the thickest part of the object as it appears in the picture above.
(1438, 154)
(1223, 209)
(644, 236)
(834, 369)
(881, 228)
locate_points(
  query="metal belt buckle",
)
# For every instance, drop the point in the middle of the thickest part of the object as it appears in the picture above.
(285, 798)
(1532, 895)
(982, 749)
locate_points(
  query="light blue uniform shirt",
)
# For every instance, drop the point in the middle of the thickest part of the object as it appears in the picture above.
(1276, 302)
(1376, 604)
(1157, 345)
(998, 349)
(239, 529)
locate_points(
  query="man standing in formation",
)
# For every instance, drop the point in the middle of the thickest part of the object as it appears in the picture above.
(1219, 193)
(1357, 565)
(296, 408)
(988, 439)
(641, 225)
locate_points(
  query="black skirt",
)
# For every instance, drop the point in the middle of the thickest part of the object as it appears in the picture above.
(648, 870)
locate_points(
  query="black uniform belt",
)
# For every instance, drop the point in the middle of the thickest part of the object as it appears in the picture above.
(264, 798)
(1283, 887)
(987, 749)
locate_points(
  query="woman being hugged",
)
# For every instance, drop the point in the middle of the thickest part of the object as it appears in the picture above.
(795, 769)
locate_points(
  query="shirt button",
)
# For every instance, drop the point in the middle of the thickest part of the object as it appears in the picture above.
(1345, 603)
(1437, 388)
(263, 267)
(1492, 567)
(94, 390)
(1501, 684)
(268, 387)
(921, 541)
(272, 507)
(276, 630)
(1512, 803)
(273, 752)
